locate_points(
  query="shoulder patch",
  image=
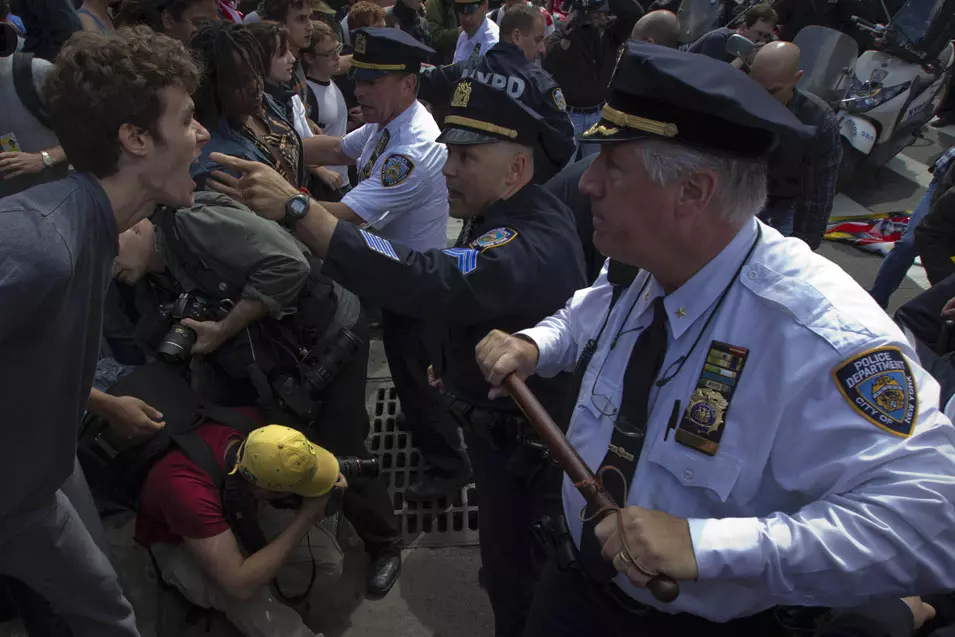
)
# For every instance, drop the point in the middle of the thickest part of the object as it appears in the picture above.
(465, 257)
(395, 170)
(379, 245)
(559, 101)
(879, 385)
(494, 238)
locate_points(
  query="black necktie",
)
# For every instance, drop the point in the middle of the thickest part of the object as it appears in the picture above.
(365, 171)
(629, 432)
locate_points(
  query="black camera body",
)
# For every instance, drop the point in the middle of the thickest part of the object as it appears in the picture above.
(178, 342)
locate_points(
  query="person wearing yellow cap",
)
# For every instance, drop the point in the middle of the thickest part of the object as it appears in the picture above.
(194, 530)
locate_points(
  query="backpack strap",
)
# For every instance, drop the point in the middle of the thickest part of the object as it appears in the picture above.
(229, 418)
(26, 88)
(201, 455)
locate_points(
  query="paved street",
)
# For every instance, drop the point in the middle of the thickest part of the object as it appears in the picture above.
(438, 594)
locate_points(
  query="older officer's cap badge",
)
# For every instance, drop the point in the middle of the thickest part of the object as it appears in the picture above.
(659, 93)
(879, 385)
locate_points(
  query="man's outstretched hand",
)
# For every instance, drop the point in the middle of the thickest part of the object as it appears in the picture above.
(259, 187)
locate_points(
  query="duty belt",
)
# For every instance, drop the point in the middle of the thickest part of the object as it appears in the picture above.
(506, 432)
(583, 110)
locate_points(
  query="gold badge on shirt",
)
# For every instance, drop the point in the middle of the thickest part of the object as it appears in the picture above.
(705, 417)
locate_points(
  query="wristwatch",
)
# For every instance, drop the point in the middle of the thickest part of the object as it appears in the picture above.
(47, 160)
(295, 209)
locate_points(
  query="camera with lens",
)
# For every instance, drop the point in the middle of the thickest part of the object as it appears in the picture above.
(357, 469)
(178, 342)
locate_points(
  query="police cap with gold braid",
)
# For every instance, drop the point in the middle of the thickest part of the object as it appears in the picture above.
(479, 114)
(382, 51)
(662, 93)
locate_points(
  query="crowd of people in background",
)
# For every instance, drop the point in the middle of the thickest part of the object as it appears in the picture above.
(207, 207)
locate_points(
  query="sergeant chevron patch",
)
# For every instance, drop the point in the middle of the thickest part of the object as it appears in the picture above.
(379, 245)
(465, 257)
(879, 385)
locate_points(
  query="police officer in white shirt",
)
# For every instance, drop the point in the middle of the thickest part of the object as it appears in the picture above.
(478, 32)
(767, 428)
(401, 195)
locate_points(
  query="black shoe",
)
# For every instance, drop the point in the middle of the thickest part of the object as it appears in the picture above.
(383, 572)
(431, 487)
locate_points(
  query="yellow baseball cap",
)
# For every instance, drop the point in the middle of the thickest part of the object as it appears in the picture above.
(278, 458)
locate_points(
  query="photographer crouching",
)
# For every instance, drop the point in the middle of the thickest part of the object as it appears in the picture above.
(216, 280)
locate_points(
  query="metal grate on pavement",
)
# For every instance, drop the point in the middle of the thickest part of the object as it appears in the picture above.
(437, 523)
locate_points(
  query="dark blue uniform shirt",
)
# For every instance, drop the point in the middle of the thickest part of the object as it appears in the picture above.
(522, 264)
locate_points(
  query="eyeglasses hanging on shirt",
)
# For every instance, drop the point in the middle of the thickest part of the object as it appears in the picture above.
(605, 404)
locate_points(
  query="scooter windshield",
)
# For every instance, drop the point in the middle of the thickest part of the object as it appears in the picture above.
(921, 29)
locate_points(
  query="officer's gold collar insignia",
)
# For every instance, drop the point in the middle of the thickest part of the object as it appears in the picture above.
(705, 417)
(681, 312)
(360, 43)
(878, 385)
(462, 95)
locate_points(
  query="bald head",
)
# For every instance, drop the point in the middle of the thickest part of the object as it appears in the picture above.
(657, 27)
(776, 68)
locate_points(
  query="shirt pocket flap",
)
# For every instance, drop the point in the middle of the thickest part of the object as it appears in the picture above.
(693, 469)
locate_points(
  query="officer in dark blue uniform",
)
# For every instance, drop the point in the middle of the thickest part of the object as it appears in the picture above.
(520, 262)
(511, 66)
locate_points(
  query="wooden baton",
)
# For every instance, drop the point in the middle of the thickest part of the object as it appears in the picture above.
(663, 587)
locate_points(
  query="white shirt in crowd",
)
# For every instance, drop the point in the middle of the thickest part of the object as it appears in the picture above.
(478, 44)
(300, 118)
(405, 180)
(830, 480)
(332, 116)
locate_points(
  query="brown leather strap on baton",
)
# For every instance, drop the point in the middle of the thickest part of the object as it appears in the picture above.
(663, 587)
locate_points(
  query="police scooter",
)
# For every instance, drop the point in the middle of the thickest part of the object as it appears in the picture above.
(896, 90)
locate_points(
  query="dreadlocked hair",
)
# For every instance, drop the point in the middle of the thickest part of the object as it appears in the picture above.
(149, 12)
(227, 52)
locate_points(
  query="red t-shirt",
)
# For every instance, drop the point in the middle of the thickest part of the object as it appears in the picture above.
(179, 499)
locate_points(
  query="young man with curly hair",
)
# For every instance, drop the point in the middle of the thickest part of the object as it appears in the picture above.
(59, 241)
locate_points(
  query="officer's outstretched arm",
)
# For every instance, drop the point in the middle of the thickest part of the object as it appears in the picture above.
(561, 337)
(324, 150)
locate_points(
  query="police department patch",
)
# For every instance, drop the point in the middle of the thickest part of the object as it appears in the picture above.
(494, 238)
(559, 100)
(395, 170)
(466, 259)
(879, 385)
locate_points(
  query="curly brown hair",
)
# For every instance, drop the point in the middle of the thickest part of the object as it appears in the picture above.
(365, 14)
(100, 82)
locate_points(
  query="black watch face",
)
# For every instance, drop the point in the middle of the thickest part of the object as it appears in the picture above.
(298, 206)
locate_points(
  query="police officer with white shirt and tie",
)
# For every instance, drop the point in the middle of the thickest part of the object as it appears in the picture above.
(478, 32)
(767, 429)
(401, 195)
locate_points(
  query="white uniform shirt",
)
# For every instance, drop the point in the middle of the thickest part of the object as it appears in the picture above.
(478, 44)
(405, 181)
(806, 501)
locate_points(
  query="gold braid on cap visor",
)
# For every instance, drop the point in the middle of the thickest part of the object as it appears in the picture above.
(664, 129)
(467, 122)
(377, 67)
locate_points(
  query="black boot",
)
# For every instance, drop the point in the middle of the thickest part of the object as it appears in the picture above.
(383, 571)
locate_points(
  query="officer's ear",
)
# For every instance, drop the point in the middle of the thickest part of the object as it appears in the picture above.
(697, 190)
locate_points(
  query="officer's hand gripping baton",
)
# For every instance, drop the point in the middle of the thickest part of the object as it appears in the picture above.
(662, 587)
